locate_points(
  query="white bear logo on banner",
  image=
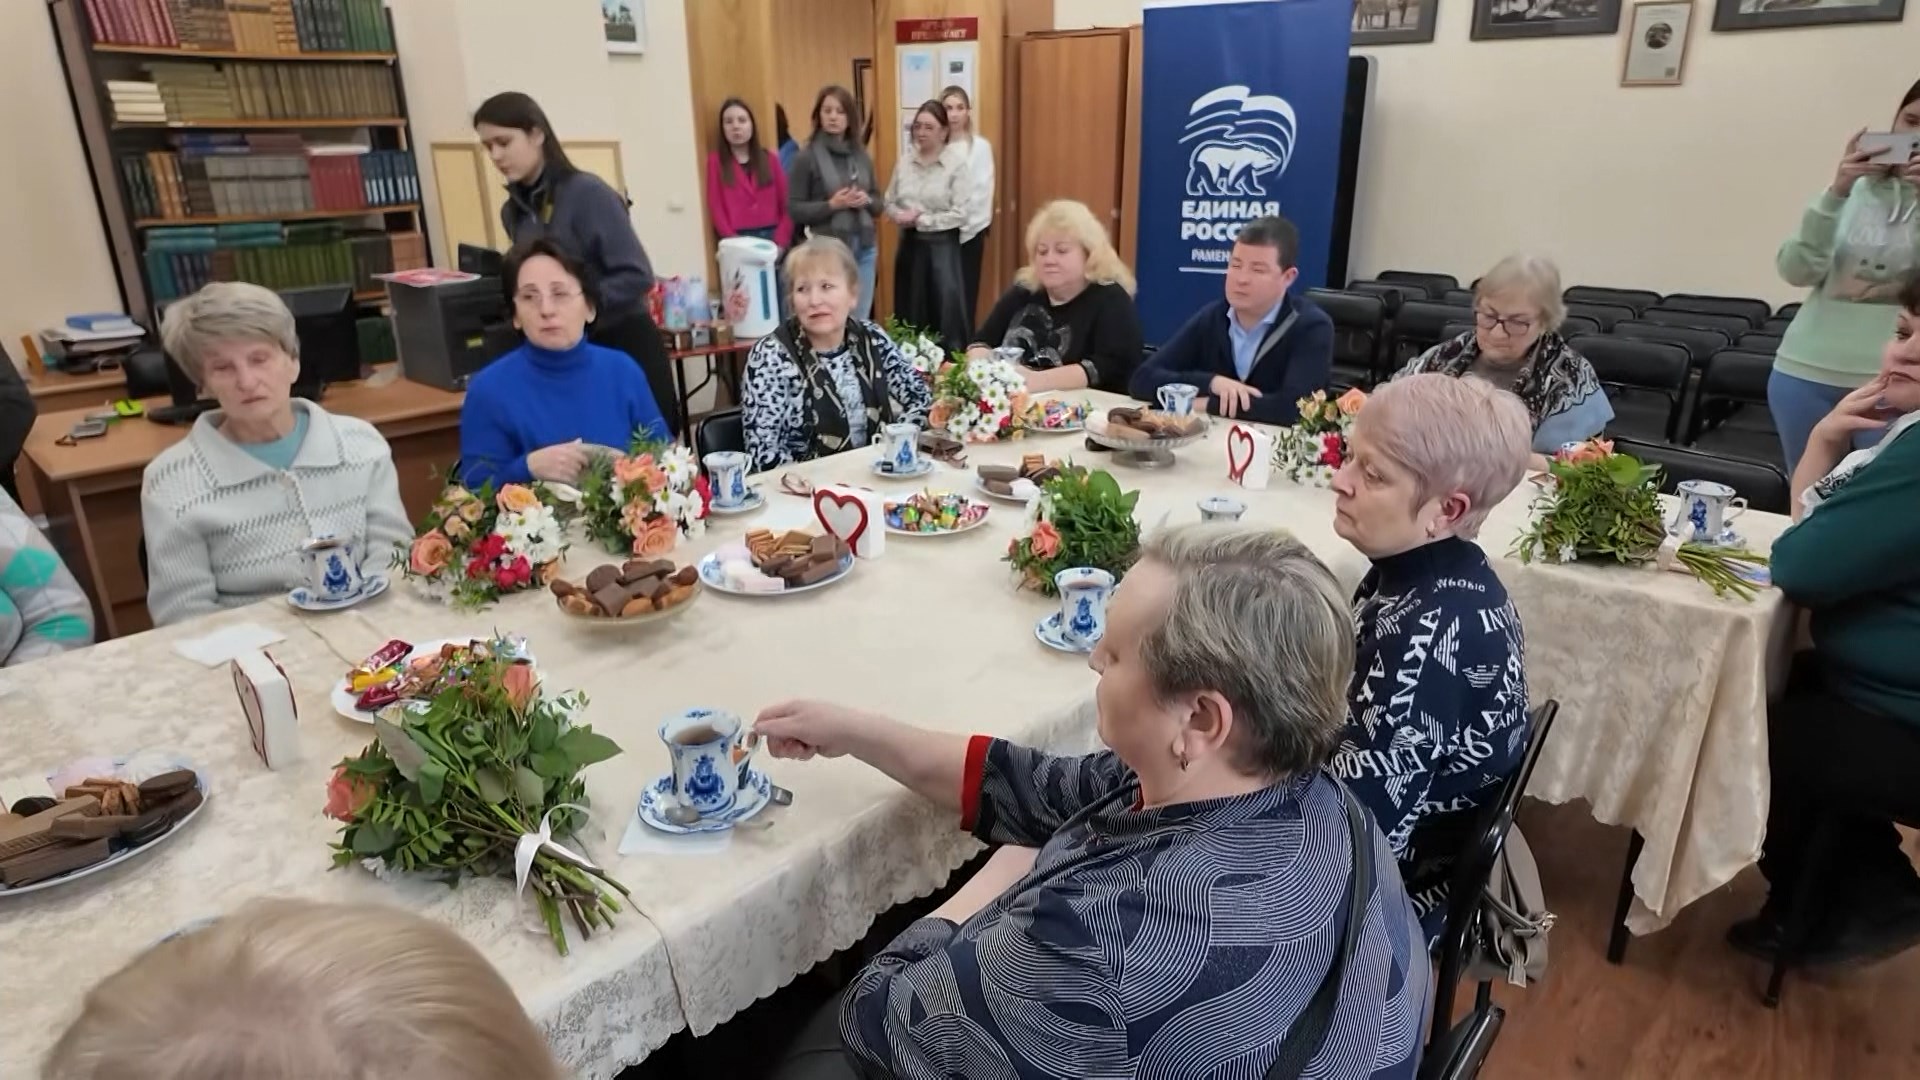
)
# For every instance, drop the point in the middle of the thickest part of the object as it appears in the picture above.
(1240, 141)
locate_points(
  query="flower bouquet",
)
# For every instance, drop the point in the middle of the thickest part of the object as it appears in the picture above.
(475, 783)
(1081, 518)
(476, 546)
(642, 502)
(1599, 504)
(1315, 446)
(975, 399)
(920, 348)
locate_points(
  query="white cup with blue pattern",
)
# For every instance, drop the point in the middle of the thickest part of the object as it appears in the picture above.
(727, 477)
(1177, 398)
(333, 568)
(1084, 592)
(900, 448)
(709, 758)
(1707, 506)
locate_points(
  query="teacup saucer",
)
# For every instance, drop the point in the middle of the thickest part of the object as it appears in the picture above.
(748, 505)
(1053, 636)
(921, 468)
(658, 795)
(304, 599)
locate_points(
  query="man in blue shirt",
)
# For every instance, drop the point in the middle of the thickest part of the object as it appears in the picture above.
(1258, 351)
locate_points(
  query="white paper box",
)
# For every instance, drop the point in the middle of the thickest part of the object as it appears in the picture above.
(855, 515)
(1249, 456)
(273, 722)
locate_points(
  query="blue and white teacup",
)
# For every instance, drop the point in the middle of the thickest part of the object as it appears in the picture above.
(710, 756)
(900, 445)
(727, 476)
(1708, 506)
(333, 568)
(1177, 398)
(1084, 591)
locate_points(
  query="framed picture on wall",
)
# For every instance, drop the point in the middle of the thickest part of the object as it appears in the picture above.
(1494, 20)
(625, 24)
(1393, 22)
(1777, 14)
(1657, 37)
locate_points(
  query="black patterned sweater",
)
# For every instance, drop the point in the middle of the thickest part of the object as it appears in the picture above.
(1437, 707)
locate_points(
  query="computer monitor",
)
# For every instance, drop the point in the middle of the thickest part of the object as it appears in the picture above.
(323, 323)
(474, 259)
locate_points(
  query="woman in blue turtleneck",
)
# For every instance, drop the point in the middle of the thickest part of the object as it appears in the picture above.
(536, 413)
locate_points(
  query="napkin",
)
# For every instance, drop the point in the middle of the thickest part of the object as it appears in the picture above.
(226, 643)
(1249, 456)
(855, 515)
(643, 839)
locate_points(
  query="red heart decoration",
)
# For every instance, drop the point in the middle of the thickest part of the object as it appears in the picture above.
(1236, 468)
(836, 518)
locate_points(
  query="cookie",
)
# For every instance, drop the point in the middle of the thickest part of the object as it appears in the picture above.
(601, 577)
(639, 605)
(167, 785)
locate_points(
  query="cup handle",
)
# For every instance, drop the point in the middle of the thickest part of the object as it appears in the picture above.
(1735, 507)
(876, 440)
(742, 752)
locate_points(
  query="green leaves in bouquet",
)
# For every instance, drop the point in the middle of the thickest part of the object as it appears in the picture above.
(1094, 518)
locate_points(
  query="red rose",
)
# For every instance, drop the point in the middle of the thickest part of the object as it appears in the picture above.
(490, 547)
(1330, 454)
(705, 491)
(476, 568)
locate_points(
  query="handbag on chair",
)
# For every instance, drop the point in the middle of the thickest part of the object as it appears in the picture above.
(1511, 940)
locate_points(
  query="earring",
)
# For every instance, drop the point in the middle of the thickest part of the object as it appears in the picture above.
(1183, 761)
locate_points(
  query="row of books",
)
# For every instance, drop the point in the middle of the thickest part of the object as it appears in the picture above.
(181, 260)
(254, 180)
(263, 91)
(265, 26)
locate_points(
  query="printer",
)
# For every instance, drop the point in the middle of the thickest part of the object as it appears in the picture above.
(448, 331)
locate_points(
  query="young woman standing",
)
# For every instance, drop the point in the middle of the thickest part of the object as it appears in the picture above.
(833, 189)
(548, 196)
(746, 187)
(928, 198)
(979, 155)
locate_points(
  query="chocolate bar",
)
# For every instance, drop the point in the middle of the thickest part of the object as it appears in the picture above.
(822, 545)
(652, 588)
(1005, 474)
(601, 577)
(75, 827)
(20, 837)
(611, 597)
(377, 698)
(51, 862)
(813, 573)
(386, 656)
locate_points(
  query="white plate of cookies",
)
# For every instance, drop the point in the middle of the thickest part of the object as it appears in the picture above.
(770, 563)
(109, 816)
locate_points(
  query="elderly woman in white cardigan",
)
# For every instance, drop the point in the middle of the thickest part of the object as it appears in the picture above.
(228, 510)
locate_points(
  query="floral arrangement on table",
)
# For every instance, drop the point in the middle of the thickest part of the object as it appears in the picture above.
(1310, 451)
(976, 399)
(474, 547)
(1599, 504)
(920, 347)
(643, 501)
(1081, 518)
(475, 783)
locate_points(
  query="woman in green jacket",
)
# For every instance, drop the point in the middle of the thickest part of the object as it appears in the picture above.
(1857, 242)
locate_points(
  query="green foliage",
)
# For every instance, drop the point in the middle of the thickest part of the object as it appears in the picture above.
(1094, 518)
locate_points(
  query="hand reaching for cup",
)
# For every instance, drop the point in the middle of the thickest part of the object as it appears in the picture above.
(560, 463)
(806, 729)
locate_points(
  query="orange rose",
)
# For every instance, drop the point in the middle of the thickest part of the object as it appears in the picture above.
(431, 553)
(1045, 542)
(515, 499)
(520, 684)
(456, 527)
(348, 795)
(628, 469)
(938, 416)
(473, 510)
(1351, 401)
(655, 479)
(1591, 450)
(655, 537)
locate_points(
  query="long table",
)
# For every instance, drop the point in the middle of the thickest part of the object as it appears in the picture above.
(1662, 728)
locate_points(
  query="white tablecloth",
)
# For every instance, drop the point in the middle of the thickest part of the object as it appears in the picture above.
(1662, 728)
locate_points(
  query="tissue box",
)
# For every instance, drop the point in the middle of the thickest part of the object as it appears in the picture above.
(273, 722)
(1249, 457)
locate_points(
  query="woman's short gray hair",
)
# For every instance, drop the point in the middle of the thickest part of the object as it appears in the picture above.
(1535, 275)
(225, 311)
(822, 249)
(1453, 434)
(1260, 620)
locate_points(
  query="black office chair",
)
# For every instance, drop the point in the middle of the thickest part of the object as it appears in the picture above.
(1455, 1051)
(1764, 485)
(1759, 341)
(1419, 325)
(1636, 299)
(1461, 297)
(1603, 315)
(1787, 311)
(1436, 285)
(1730, 413)
(1359, 328)
(1393, 295)
(1574, 326)
(1756, 312)
(1731, 325)
(723, 430)
(1646, 383)
(1699, 342)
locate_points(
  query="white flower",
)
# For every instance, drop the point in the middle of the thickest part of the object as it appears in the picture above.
(1567, 553)
(378, 867)
(680, 467)
(533, 533)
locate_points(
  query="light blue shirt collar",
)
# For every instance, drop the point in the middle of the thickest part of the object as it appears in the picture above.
(1246, 343)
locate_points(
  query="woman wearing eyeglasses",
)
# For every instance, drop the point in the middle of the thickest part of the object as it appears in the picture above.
(1516, 345)
(929, 198)
(538, 412)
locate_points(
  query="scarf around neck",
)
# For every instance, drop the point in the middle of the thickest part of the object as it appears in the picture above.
(1552, 380)
(823, 419)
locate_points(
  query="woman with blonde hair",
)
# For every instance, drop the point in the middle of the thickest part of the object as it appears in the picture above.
(962, 132)
(1070, 310)
(291, 989)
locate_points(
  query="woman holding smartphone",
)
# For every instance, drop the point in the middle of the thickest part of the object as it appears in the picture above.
(549, 197)
(1858, 241)
(833, 190)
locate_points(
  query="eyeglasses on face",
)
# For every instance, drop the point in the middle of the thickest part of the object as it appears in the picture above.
(533, 297)
(1514, 325)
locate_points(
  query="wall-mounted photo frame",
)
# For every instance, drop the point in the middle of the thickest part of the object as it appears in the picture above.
(625, 25)
(1393, 22)
(1496, 20)
(1787, 14)
(1657, 36)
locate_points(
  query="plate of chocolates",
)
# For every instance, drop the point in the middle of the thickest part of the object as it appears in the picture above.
(399, 672)
(636, 591)
(772, 563)
(102, 820)
(1016, 483)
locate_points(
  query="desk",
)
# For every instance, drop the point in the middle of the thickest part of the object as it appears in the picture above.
(56, 391)
(91, 491)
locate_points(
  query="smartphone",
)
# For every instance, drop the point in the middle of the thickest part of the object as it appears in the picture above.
(88, 429)
(1890, 147)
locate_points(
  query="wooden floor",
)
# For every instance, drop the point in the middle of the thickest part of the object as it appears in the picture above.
(1684, 1006)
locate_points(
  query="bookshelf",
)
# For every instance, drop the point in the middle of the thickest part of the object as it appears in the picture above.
(254, 140)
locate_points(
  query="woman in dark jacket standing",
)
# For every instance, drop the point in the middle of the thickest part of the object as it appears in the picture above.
(547, 196)
(832, 190)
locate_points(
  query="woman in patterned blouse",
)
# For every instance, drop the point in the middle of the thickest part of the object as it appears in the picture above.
(824, 381)
(1189, 887)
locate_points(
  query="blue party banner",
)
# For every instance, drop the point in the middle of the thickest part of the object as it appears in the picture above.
(1241, 112)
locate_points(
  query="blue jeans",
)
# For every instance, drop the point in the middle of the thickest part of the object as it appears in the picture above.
(1797, 404)
(865, 257)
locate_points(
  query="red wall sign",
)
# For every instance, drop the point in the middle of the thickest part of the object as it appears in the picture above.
(931, 31)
